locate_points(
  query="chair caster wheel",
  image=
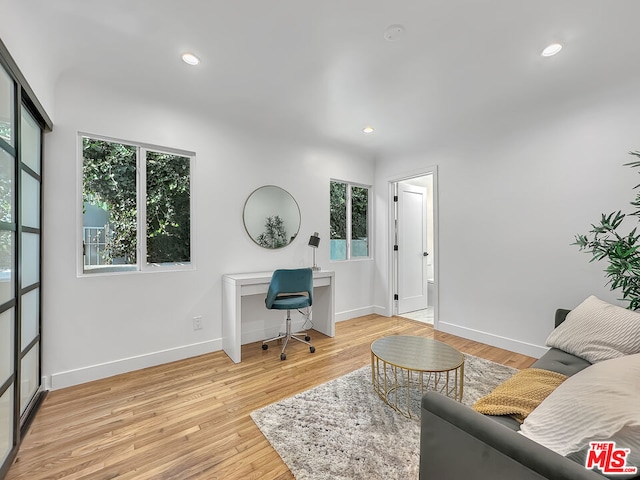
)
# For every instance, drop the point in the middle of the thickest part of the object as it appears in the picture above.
(283, 356)
(265, 346)
(307, 338)
(312, 349)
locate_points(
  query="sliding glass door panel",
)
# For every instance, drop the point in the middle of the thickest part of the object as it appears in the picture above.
(7, 279)
(30, 317)
(7, 265)
(30, 259)
(6, 345)
(7, 102)
(30, 141)
(7, 181)
(22, 122)
(30, 198)
(29, 381)
(6, 423)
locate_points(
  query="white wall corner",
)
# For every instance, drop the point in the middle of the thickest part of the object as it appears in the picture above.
(357, 312)
(384, 311)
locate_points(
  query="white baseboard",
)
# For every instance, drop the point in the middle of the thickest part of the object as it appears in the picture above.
(358, 312)
(495, 340)
(108, 369)
(381, 311)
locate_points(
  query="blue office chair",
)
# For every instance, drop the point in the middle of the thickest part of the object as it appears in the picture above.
(288, 290)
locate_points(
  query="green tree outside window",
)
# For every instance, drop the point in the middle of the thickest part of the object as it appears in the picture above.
(356, 226)
(109, 171)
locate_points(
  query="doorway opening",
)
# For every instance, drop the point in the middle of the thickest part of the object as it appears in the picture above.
(414, 233)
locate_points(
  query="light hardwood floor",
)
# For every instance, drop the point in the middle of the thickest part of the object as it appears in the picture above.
(190, 419)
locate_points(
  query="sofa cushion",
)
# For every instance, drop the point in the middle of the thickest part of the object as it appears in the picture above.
(600, 403)
(597, 331)
(562, 362)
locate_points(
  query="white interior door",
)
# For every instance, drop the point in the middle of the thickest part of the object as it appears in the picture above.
(412, 244)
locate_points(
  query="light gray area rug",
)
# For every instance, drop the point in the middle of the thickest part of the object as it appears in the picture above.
(342, 430)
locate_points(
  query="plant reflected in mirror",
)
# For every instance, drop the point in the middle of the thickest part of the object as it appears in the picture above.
(271, 217)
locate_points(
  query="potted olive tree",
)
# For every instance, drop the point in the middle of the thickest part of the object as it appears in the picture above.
(607, 240)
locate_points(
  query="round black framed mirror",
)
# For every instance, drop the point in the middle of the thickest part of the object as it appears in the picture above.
(271, 217)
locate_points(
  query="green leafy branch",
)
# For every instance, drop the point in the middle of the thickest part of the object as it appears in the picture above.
(604, 241)
(109, 181)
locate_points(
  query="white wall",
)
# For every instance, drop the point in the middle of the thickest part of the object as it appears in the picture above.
(96, 326)
(29, 54)
(510, 204)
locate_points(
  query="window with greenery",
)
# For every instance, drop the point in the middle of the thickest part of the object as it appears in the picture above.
(136, 204)
(349, 216)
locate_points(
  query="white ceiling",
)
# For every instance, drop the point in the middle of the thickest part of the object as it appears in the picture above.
(321, 70)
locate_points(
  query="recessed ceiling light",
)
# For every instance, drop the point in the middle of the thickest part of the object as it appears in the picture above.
(190, 58)
(551, 50)
(368, 129)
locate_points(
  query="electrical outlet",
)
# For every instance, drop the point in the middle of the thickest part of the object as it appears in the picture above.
(197, 322)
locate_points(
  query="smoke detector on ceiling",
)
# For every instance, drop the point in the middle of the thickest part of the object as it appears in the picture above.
(393, 33)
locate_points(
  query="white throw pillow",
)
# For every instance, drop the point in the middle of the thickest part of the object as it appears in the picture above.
(597, 331)
(599, 403)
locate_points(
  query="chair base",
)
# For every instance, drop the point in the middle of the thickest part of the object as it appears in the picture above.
(287, 336)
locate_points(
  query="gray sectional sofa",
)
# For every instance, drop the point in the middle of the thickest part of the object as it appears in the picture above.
(458, 443)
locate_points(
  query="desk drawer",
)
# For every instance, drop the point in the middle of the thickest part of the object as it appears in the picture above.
(321, 282)
(254, 289)
(260, 288)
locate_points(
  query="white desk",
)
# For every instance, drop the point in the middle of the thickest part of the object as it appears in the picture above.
(236, 286)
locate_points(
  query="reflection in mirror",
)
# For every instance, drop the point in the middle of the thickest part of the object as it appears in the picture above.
(271, 217)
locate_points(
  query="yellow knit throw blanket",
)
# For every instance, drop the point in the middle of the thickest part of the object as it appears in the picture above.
(520, 394)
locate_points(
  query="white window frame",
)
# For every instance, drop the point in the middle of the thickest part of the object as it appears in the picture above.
(348, 229)
(141, 206)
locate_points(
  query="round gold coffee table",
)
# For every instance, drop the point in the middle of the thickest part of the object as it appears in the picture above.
(402, 365)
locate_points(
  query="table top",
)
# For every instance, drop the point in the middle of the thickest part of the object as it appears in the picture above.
(417, 353)
(262, 277)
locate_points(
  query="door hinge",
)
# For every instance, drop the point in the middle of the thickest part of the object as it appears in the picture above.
(395, 248)
(395, 198)
(395, 296)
